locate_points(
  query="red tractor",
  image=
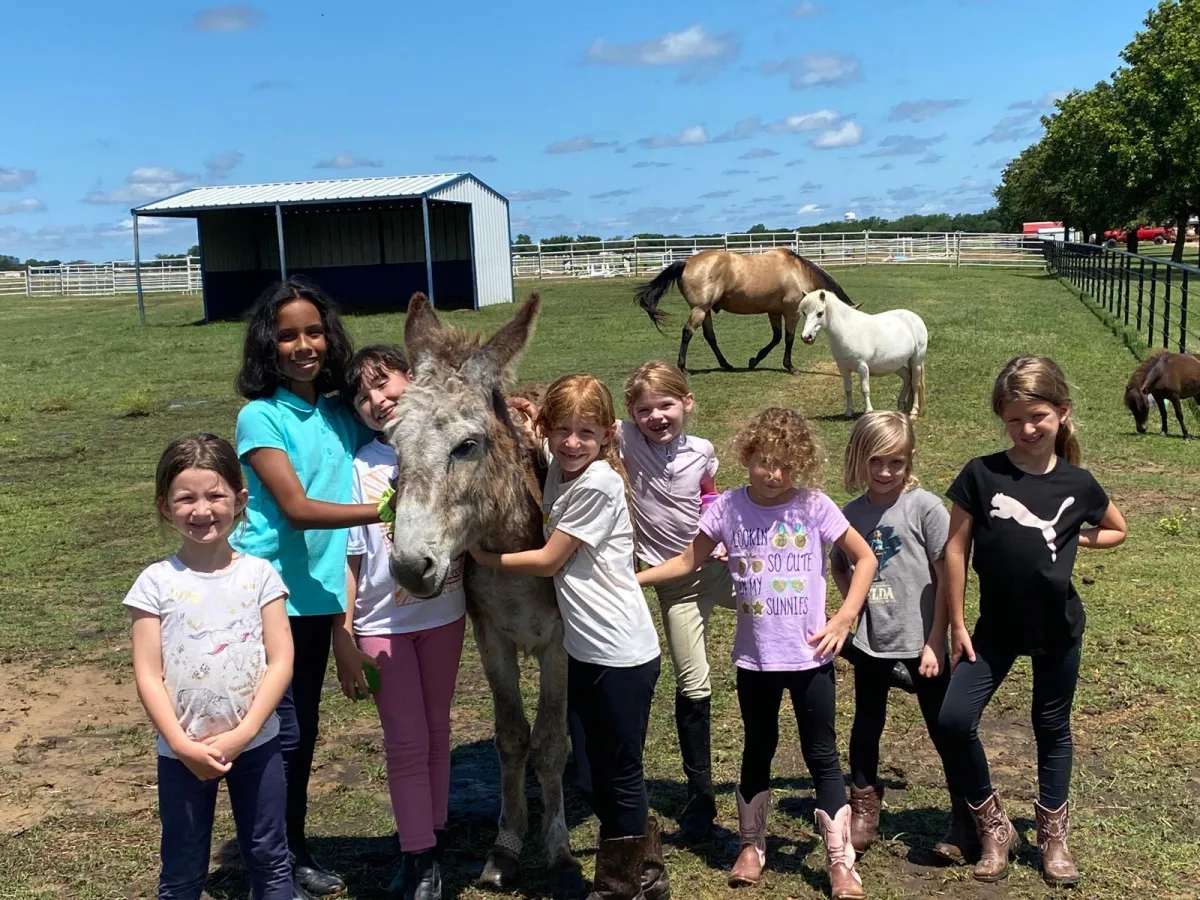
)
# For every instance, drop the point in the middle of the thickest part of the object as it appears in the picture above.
(1160, 234)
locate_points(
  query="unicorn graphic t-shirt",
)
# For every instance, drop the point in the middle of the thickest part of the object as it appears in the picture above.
(1025, 535)
(777, 559)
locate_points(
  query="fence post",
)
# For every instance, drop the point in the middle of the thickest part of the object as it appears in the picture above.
(866, 246)
(1141, 287)
(1128, 270)
(1153, 291)
(1166, 318)
(957, 249)
(1183, 303)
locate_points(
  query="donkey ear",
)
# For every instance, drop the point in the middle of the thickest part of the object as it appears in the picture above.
(419, 324)
(492, 363)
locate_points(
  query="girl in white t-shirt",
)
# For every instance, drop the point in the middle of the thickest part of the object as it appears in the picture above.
(212, 656)
(611, 644)
(415, 644)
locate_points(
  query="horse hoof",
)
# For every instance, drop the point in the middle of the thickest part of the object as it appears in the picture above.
(568, 882)
(753, 364)
(501, 872)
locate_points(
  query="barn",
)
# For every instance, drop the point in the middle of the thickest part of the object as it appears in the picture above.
(368, 242)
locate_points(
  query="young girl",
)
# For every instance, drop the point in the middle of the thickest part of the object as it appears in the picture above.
(905, 618)
(669, 473)
(212, 657)
(299, 444)
(414, 643)
(776, 534)
(611, 644)
(1023, 512)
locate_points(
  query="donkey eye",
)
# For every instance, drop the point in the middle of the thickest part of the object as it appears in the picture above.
(465, 449)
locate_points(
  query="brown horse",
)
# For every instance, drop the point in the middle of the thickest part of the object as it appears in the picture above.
(1163, 376)
(744, 284)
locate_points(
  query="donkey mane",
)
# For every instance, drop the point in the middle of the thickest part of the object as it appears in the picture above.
(824, 279)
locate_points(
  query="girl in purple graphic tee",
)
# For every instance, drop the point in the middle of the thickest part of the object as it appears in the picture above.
(776, 534)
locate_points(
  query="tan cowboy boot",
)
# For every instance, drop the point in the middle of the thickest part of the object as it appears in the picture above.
(997, 839)
(752, 825)
(864, 815)
(961, 843)
(1058, 869)
(844, 880)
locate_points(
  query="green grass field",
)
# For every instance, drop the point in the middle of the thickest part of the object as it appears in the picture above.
(90, 398)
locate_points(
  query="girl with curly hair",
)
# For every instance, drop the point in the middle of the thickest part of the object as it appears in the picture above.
(776, 530)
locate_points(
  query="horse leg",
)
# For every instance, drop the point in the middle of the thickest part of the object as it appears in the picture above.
(864, 382)
(791, 318)
(1179, 415)
(1162, 411)
(903, 399)
(776, 335)
(711, 336)
(498, 654)
(549, 753)
(917, 373)
(848, 385)
(695, 319)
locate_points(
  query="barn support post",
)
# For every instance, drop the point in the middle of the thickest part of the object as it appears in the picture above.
(137, 271)
(428, 250)
(282, 252)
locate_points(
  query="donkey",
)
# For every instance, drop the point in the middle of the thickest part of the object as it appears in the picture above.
(468, 476)
(1163, 376)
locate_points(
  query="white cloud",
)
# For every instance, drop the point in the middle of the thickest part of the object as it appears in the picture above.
(651, 164)
(816, 69)
(808, 187)
(717, 195)
(689, 137)
(145, 184)
(849, 134)
(810, 209)
(887, 167)
(26, 205)
(228, 19)
(578, 145)
(904, 145)
(813, 121)
(1021, 127)
(347, 161)
(759, 153)
(1046, 101)
(742, 130)
(806, 9)
(613, 194)
(221, 164)
(920, 110)
(15, 179)
(532, 196)
(736, 172)
(695, 51)
(930, 159)
(466, 157)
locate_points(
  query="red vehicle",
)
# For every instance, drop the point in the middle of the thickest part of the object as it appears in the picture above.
(1160, 234)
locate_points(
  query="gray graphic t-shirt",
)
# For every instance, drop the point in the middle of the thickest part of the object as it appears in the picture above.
(907, 537)
(213, 656)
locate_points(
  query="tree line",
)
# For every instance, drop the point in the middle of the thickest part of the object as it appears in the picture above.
(1126, 152)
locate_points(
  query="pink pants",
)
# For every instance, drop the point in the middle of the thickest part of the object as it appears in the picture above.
(417, 672)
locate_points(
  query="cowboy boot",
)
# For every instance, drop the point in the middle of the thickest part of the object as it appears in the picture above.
(997, 839)
(1058, 869)
(693, 720)
(620, 863)
(752, 826)
(864, 815)
(961, 842)
(844, 880)
(656, 882)
(425, 882)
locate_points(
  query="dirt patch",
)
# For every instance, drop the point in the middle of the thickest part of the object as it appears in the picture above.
(72, 740)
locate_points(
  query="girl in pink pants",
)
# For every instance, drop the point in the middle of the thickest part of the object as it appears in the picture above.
(414, 644)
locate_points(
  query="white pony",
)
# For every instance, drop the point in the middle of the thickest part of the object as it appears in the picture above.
(887, 343)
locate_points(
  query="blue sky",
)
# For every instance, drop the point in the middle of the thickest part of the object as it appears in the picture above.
(607, 119)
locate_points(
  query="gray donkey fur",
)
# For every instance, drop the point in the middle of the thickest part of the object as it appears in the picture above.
(468, 476)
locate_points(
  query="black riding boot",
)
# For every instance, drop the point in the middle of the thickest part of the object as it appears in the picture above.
(693, 721)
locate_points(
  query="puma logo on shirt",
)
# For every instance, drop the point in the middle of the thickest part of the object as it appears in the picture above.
(1006, 507)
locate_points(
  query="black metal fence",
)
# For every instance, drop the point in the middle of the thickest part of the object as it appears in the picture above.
(1147, 294)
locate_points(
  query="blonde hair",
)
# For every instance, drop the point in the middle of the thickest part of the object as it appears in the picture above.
(587, 397)
(1038, 379)
(876, 434)
(784, 437)
(656, 377)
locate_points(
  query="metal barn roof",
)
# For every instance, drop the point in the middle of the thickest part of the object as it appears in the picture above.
(288, 193)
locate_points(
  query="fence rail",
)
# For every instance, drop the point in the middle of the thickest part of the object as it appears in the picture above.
(118, 277)
(1148, 294)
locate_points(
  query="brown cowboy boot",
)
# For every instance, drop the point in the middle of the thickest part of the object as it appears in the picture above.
(864, 815)
(961, 842)
(1058, 869)
(619, 866)
(997, 839)
(752, 825)
(844, 880)
(656, 883)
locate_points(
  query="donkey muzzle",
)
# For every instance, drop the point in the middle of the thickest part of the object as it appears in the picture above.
(419, 570)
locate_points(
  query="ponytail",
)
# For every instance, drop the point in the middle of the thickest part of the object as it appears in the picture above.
(1066, 443)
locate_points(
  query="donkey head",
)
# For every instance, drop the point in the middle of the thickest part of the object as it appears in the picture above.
(455, 445)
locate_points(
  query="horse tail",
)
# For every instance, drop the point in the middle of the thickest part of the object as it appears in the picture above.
(650, 293)
(1155, 373)
(823, 280)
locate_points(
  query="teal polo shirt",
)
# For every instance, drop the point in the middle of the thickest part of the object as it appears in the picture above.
(320, 441)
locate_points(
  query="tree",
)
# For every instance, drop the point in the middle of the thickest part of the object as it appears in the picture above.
(194, 250)
(558, 239)
(1159, 93)
(524, 239)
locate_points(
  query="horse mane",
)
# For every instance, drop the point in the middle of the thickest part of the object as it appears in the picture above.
(824, 280)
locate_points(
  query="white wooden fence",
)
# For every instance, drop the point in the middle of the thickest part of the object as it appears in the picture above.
(95, 280)
(643, 256)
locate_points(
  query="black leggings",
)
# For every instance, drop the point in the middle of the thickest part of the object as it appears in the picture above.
(1055, 673)
(299, 712)
(813, 693)
(872, 679)
(612, 708)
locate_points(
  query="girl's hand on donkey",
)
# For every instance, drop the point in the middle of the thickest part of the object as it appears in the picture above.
(829, 639)
(350, 661)
(960, 646)
(526, 414)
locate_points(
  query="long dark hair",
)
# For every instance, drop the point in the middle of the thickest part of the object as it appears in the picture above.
(260, 374)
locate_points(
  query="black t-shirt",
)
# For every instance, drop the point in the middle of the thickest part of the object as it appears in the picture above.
(1025, 536)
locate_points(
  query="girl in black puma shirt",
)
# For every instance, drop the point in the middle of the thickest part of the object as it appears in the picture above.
(1023, 511)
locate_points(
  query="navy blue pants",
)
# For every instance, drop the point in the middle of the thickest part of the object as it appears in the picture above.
(257, 793)
(611, 706)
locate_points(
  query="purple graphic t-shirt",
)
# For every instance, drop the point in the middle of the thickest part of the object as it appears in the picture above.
(777, 558)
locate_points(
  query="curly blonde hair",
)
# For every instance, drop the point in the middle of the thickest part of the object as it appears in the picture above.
(784, 437)
(878, 433)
